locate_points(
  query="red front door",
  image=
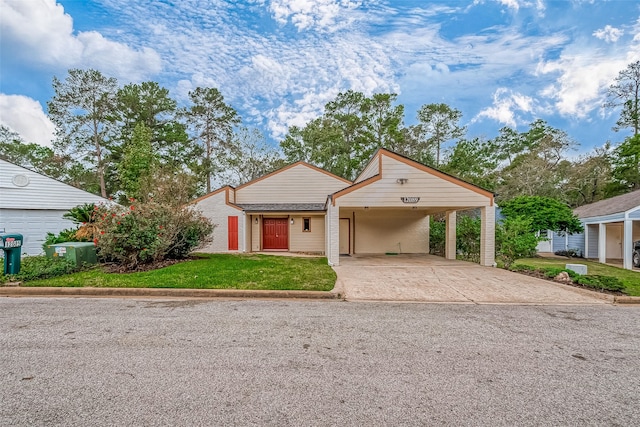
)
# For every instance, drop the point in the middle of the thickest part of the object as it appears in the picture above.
(233, 233)
(275, 233)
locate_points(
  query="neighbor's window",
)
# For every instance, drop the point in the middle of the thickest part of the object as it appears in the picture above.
(306, 224)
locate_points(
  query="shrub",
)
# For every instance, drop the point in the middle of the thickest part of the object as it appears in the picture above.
(468, 237)
(607, 283)
(148, 232)
(514, 240)
(552, 272)
(522, 267)
(42, 267)
(67, 235)
(437, 231)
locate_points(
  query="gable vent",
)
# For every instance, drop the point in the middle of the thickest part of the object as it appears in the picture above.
(20, 180)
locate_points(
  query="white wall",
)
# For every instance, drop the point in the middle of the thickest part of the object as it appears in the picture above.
(215, 208)
(381, 231)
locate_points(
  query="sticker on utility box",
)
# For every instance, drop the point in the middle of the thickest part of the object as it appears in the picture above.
(61, 250)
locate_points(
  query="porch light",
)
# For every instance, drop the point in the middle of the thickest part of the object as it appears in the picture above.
(402, 181)
(291, 221)
(256, 220)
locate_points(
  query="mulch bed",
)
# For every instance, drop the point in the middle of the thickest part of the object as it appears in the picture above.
(540, 275)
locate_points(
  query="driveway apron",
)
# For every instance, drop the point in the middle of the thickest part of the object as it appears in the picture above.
(428, 278)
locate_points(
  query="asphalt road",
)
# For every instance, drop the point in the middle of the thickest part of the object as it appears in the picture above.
(81, 362)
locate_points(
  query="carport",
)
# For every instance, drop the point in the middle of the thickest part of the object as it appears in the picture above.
(387, 210)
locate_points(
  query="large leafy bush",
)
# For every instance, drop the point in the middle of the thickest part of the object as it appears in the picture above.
(514, 240)
(148, 232)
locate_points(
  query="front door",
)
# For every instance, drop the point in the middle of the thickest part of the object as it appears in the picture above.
(275, 233)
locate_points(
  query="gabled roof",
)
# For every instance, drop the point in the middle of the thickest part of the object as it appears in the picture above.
(292, 165)
(213, 193)
(39, 191)
(282, 207)
(443, 175)
(613, 205)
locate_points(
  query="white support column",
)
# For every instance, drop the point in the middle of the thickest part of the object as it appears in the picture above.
(602, 243)
(333, 234)
(586, 241)
(627, 245)
(450, 239)
(488, 236)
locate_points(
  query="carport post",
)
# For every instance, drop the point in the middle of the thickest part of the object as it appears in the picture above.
(450, 240)
(602, 243)
(627, 242)
(488, 236)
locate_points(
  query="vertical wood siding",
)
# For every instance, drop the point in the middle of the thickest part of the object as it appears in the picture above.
(312, 241)
(299, 184)
(432, 190)
(381, 231)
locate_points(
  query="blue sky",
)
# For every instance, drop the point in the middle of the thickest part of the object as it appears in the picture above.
(501, 62)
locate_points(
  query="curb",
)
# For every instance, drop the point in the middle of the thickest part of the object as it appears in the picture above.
(163, 292)
(626, 300)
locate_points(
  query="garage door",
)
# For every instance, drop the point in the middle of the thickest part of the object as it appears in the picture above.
(33, 225)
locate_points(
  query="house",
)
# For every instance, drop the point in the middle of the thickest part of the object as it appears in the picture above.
(302, 208)
(32, 204)
(610, 228)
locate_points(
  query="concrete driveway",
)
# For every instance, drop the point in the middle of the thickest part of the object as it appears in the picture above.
(428, 278)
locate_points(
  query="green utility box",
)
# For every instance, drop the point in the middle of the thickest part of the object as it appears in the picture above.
(78, 252)
(12, 246)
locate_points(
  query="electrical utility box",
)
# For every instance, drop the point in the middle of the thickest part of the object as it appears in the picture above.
(78, 252)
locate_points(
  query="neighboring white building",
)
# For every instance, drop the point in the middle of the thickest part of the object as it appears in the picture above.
(33, 204)
(610, 228)
(301, 208)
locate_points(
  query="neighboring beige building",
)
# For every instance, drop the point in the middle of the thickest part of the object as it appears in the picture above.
(301, 208)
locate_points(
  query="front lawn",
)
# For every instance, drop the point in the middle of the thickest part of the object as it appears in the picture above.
(630, 279)
(213, 271)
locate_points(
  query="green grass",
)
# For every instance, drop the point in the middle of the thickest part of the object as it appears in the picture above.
(213, 271)
(630, 279)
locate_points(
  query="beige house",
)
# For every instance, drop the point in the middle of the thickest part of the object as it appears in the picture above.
(302, 208)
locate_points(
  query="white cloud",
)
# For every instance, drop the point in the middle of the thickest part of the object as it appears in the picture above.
(508, 107)
(327, 15)
(583, 78)
(26, 117)
(517, 4)
(608, 33)
(39, 31)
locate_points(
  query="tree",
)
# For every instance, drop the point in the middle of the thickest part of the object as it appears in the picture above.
(212, 120)
(439, 124)
(538, 166)
(589, 178)
(82, 109)
(544, 213)
(249, 158)
(626, 164)
(138, 164)
(352, 127)
(473, 161)
(625, 93)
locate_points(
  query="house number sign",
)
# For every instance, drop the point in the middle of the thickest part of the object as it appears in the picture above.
(410, 199)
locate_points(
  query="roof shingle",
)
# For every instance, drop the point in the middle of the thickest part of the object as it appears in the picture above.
(614, 205)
